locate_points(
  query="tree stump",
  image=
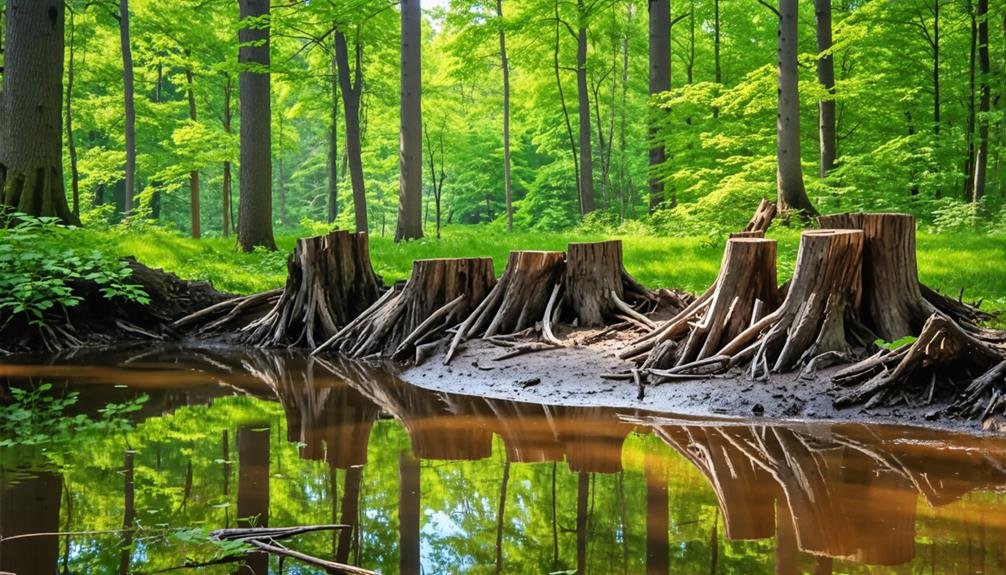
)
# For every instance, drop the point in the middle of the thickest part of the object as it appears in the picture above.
(518, 300)
(439, 292)
(595, 282)
(895, 304)
(744, 291)
(762, 218)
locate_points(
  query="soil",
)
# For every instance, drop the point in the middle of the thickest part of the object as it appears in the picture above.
(572, 376)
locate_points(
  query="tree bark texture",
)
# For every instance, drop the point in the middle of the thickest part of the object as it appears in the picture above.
(253, 488)
(594, 278)
(351, 91)
(587, 201)
(225, 195)
(71, 145)
(130, 105)
(31, 110)
(410, 193)
(660, 81)
(255, 172)
(505, 63)
(193, 174)
(789, 174)
(982, 151)
(332, 166)
(826, 77)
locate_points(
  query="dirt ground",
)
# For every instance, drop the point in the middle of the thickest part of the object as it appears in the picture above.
(572, 376)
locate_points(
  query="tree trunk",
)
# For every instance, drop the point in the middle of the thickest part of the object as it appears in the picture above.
(332, 166)
(255, 171)
(505, 62)
(565, 109)
(29, 505)
(71, 145)
(935, 44)
(743, 293)
(623, 181)
(410, 194)
(350, 512)
(31, 153)
(716, 42)
(826, 76)
(660, 81)
(282, 174)
(582, 520)
(193, 174)
(129, 512)
(789, 173)
(351, 91)
(225, 207)
(409, 508)
(981, 158)
(501, 513)
(657, 515)
(130, 105)
(253, 488)
(437, 295)
(595, 282)
(587, 202)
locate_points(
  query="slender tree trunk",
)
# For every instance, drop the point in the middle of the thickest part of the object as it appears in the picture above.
(255, 171)
(716, 42)
(936, 67)
(282, 174)
(410, 193)
(660, 81)
(226, 188)
(71, 146)
(565, 109)
(582, 520)
(500, 515)
(31, 155)
(130, 105)
(981, 160)
(408, 514)
(690, 69)
(351, 90)
(350, 512)
(587, 203)
(622, 180)
(193, 174)
(826, 76)
(505, 62)
(253, 489)
(129, 513)
(969, 134)
(333, 144)
(657, 516)
(789, 173)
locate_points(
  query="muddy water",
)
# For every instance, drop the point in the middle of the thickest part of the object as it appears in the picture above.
(438, 483)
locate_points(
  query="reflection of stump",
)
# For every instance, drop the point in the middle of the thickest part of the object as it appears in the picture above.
(519, 298)
(596, 283)
(744, 291)
(895, 305)
(438, 293)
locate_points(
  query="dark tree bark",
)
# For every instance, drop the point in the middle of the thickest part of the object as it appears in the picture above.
(826, 76)
(981, 157)
(410, 193)
(505, 62)
(71, 146)
(565, 109)
(351, 90)
(623, 182)
(225, 195)
(332, 204)
(31, 111)
(587, 202)
(657, 516)
(935, 45)
(436, 176)
(350, 512)
(408, 513)
(282, 174)
(253, 488)
(255, 172)
(789, 173)
(660, 81)
(716, 42)
(193, 174)
(130, 105)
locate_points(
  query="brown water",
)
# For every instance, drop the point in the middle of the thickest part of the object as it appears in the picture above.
(442, 483)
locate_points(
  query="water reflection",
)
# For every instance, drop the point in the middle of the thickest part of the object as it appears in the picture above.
(593, 489)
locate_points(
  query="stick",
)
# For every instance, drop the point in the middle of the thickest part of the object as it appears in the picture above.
(546, 322)
(527, 348)
(330, 566)
(425, 325)
(271, 532)
(377, 304)
(627, 310)
(639, 384)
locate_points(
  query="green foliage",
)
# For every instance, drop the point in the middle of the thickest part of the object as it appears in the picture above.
(892, 345)
(39, 263)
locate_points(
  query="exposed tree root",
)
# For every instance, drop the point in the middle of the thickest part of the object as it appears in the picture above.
(437, 295)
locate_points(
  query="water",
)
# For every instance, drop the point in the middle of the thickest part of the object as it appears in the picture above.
(440, 483)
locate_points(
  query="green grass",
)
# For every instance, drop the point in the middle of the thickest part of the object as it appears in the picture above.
(947, 262)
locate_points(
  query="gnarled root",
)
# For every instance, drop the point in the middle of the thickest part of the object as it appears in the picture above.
(943, 353)
(439, 292)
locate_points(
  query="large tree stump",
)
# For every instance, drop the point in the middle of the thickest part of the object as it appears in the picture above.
(330, 282)
(745, 290)
(895, 304)
(439, 292)
(518, 300)
(596, 283)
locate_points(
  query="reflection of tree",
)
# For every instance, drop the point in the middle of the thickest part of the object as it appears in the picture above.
(844, 491)
(253, 488)
(657, 518)
(29, 504)
(408, 514)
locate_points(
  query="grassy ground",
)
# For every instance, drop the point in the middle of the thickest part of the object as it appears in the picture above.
(948, 262)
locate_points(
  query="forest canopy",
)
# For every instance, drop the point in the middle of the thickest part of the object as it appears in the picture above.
(916, 100)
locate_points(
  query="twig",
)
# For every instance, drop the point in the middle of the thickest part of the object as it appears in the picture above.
(330, 566)
(527, 348)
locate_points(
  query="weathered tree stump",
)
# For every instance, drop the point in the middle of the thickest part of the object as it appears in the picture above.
(330, 281)
(943, 353)
(743, 293)
(518, 300)
(439, 292)
(596, 283)
(762, 218)
(895, 304)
